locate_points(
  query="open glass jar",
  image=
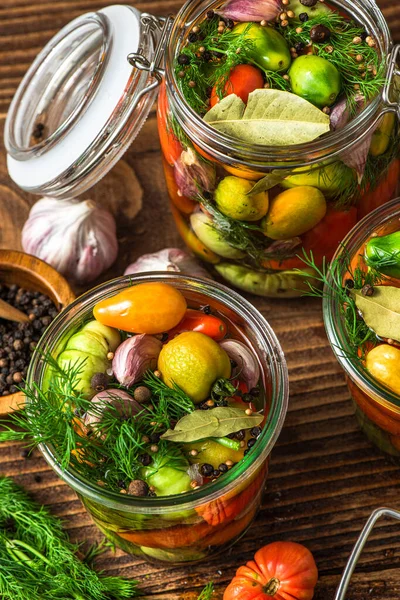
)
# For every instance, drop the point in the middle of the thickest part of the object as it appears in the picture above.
(67, 126)
(377, 407)
(189, 526)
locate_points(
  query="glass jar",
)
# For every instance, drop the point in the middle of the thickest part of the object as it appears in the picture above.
(190, 526)
(377, 409)
(67, 126)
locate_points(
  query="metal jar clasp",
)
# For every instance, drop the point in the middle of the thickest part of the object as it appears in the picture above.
(158, 28)
(393, 72)
(359, 546)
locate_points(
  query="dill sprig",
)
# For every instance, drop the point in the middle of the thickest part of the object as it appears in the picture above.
(37, 560)
(239, 234)
(341, 51)
(207, 592)
(171, 403)
(331, 283)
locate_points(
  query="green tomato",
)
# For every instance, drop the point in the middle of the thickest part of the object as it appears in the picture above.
(167, 481)
(385, 249)
(320, 9)
(94, 338)
(203, 227)
(282, 284)
(89, 365)
(315, 79)
(270, 50)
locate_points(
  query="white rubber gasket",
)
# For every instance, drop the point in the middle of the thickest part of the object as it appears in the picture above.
(124, 24)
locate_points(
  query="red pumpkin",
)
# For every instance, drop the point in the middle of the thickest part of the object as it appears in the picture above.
(282, 570)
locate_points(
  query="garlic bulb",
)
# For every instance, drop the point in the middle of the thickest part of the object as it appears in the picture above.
(168, 259)
(116, 400)
(134, 356)
(76, 237)
(250, 10)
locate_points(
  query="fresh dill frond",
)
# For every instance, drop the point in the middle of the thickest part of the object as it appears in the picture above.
(207, 592)
(172, 403)
(37, 560)
(178, 132)
(238, 234)
(331, 276)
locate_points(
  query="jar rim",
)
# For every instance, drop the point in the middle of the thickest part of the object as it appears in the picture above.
(331, 306)
(270, 349)
(217, 144)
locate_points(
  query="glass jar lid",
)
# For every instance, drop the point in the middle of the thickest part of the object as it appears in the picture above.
(84, 100)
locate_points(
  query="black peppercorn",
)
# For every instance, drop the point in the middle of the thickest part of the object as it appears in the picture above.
(137, 487)
(216, 473)
(255, 432)
(206, 309)
(308, 2)
(251, 443)
(300, 45)
(349, 283)
(207, 56)
(192, 37)
(121, 484)
(240, 435)
(210, 14)
(206, 470)
(368, 290)
(223, 468)
(145, 459)
(229, 23)
(246, 452)
(183, 59)
(303, 17)
(320, 33)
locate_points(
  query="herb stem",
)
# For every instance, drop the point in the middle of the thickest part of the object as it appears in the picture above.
(228, 443)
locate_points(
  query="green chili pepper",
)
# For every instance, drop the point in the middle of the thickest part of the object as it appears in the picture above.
(383, 254)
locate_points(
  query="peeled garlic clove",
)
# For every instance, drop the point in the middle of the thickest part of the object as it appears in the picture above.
(193, 175)
(247, 364)
(134, 356)
(168, 259)
(250, 10)
(116, 400)
(76, 237)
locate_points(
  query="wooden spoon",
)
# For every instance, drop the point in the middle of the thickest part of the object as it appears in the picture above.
(10, 313)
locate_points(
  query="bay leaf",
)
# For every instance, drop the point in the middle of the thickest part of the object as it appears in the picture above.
(217, 422)
(381, 312)
(271, 118)
(269, 181)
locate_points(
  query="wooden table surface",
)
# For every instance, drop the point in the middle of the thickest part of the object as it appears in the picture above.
(325, 477)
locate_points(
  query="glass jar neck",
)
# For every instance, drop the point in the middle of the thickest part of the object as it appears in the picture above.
(333, 315)
(261, 158)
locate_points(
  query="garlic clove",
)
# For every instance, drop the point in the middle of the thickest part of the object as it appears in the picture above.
(250, 10)
(77, 238)
(168, 259)
(134, 357)
(247, 364)
(115, 400)
(193, 174)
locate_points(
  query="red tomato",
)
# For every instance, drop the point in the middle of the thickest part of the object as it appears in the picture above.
(243, 80)
(322, 240)
(282, 570)
(196, 320)
(170, 145)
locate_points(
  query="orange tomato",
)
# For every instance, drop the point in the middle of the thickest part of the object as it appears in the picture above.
(386, 190)
(281, 570)
(242, 80)
(170, 145)
(178, 536)
(182, 203)
(143, 308)
(322, 240)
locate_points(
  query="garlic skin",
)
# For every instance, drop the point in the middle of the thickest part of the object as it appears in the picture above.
(193, 175)
(250, 10)
(112, 399)
(75, 237)
(168, 259)
(134, 356)
(247, 364)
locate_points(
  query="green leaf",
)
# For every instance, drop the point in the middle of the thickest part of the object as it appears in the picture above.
(381, 312)
(217, 422)
(269, 181)
(271, 118)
